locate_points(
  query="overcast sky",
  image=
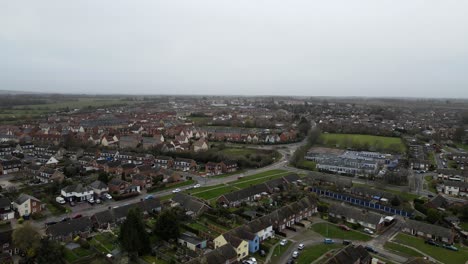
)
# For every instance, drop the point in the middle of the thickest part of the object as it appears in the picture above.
(252, 47)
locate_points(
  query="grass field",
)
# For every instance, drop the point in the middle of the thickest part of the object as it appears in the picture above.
(312, 253)
(441, 254)
(463, 146)
(336, 232)
(307, 165)
(356, 141)
(464, 225)
(408, 252)
(278, 251)
(212, 192)
(239, 151)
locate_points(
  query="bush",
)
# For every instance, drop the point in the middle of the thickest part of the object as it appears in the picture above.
(84, 244)
(20, 220)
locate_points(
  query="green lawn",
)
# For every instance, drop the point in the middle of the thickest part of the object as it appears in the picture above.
(441, 254)
(463, 146)
(239, 151)
(214, 192)
(408, 252)
(428, 180)
(76, 254)
(464, 225)
(278, 251)
(336, 232)
(312, 253)
(306, 164)
(377, 143)
(177, 185)
(104, 242)
(261, 175)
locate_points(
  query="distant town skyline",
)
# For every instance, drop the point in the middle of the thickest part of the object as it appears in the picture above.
(288, 48)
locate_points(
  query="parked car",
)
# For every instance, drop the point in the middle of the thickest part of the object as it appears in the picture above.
(283, 242)
(300, 247)
(50, 223)
(262, 253)
(295, 254)
(65, 219)
(108, 196)
(72, 203)
(290, 261)
(344, 227)
(347, 242)
(176, 190)
(253, 260)
(432, 242)
(451, 247)
(328, 241)
(197, 185)
(98, 201)
(368, 231)
(371, 249)
(60, 200)
(77, 216)
(91, 201)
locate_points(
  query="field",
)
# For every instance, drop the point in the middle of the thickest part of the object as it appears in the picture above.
(408, 252)
(307, 165)
(441, 254)
(212, 192)
(312, 253)
(32, 111)
(336, 232)
(369, 142)
(463, 146)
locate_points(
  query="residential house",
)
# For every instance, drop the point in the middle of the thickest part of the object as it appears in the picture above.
(241, 246)
(164, 162)
(191, 241)
(26, 205)
(251, 193)
(225, 254)
(112, 217)
(262, 227)
(6, 212)
(357, 216)
(112, 167)
(122, 187)
(192, 206)
(99, 188)
(77, 193)
(229, 166)
(6, 242)
(213, 168)
(10, 166)
(456, 188)
(200, 145)
(47, 175)
(428, 231)
(350, 255)
(185, 164)
(68, 230)
(142, 181)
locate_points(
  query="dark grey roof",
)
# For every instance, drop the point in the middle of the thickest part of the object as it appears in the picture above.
(69, 227)
(24, 197)
(428, 228)
(246, 193)
(189, 203)
(221, 255)
(350, 255)
(4, 202)
(355, 213)
(78, 188)
(98, 185)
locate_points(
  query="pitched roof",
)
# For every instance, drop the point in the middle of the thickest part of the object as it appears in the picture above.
(81, 224)
(428, 228)
(355, 213)
(4, 202)
(245, 193)
(78, 188)
(350, 255)
(98, 185)
(221, 255)
(24, 197)
(189, 203)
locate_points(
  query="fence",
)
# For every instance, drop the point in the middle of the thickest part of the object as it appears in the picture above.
(360, 202)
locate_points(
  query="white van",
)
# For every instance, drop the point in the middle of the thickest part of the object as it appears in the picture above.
(60, 200)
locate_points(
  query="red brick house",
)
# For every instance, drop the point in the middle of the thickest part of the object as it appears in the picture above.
(142, 181)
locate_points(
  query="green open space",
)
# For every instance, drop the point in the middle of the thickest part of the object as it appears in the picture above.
(278, 251)
(462, 146)
(312, 253)
(441, 254)
(307, 165)
(76, 254)
(377, 143)
(332, 231)
(464, 225)
(406, 251)
(214, 192)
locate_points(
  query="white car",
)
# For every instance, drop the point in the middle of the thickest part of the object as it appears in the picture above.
(368, 231)
(60, 200)
(197, 185)
(295, 254)
(176, 190)
(108, 196)
(283, 242)
(300, 247)
(253, 260)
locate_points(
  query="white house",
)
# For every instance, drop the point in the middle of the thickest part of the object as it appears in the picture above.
(77, 193)
(99, 187)
(456, 188)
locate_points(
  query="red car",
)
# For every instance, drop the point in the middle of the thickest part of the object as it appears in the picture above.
(344, 227)
(77, 216)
